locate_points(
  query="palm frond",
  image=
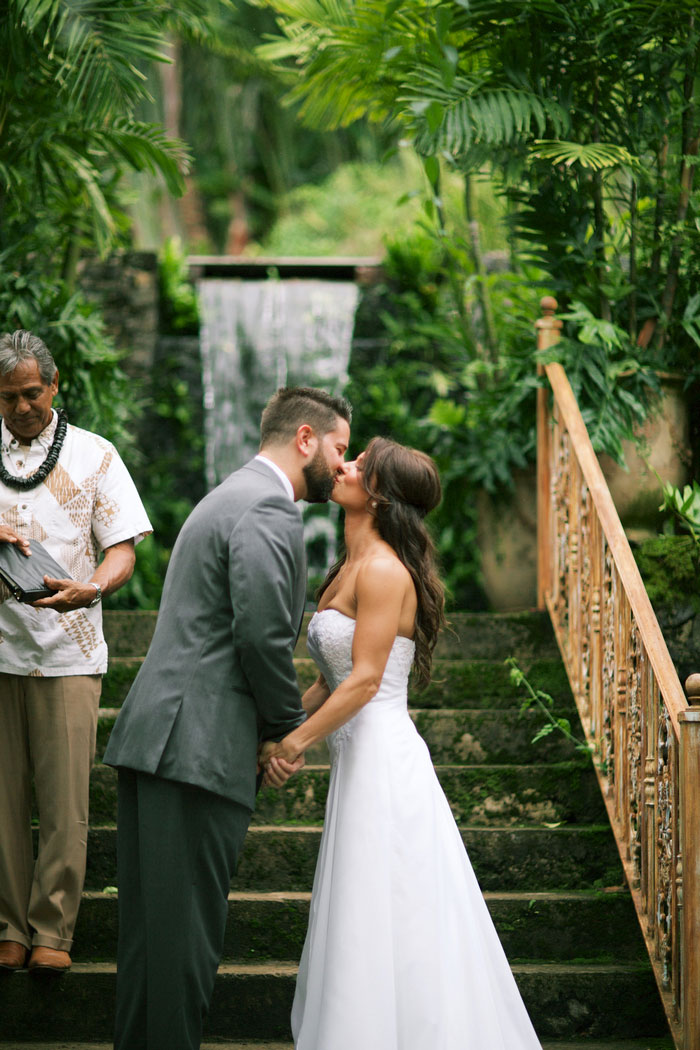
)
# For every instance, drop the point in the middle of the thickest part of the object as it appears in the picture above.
(471, 114)
(592, 155)
(146, 147)
(89, 48)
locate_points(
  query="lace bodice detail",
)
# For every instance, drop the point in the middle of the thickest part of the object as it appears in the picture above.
(330, 638)
(330, 644)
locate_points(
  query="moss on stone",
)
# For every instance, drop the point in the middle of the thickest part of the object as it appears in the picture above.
(670, 567)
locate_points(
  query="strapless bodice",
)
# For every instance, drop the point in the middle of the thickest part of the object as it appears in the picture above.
(330, 638)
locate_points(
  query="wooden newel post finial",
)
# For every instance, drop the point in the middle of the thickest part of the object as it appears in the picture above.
(692, 689)
(548, 326)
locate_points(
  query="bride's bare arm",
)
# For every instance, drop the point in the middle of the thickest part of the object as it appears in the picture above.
(380, 589)
(315, 695)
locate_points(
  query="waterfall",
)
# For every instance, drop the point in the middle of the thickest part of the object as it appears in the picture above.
(256, 336)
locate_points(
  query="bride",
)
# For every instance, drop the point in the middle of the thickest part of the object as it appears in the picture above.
(400, 953)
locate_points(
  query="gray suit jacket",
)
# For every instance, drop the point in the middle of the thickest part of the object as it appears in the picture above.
(219, 674)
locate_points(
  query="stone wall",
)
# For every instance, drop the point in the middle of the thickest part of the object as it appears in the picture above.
(126, 287)
(166, 369)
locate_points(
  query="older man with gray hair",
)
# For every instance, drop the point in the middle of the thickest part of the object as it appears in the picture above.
(69, 489)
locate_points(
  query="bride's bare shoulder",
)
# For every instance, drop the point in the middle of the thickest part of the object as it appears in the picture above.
(382, 569)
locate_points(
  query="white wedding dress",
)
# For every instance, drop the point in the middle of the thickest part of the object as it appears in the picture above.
(401, 953)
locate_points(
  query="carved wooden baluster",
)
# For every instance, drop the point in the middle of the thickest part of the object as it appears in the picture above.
(650, 706)
(607, 735)
(548, 331)
(635, 801)
(587, 630)
(622, 672)
(664, 844)
(597, 574)
(690, 852)
(574, 575)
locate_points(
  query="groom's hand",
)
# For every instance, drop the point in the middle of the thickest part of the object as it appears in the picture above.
(278, 771)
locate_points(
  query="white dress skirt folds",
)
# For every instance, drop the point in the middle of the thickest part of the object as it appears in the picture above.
(401, 953)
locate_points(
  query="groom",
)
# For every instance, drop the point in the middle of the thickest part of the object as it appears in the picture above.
(217, 681)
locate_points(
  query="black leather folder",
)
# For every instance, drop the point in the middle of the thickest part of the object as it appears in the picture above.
(25, 576)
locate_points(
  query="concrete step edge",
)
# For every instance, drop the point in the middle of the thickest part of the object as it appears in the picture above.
(490, 895)
(494, 829)
(289, 969)
(653, 1043)
(449, 767)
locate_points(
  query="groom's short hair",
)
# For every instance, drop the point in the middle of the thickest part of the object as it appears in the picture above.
(293, 406)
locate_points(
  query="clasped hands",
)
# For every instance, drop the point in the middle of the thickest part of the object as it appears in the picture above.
(278, 762)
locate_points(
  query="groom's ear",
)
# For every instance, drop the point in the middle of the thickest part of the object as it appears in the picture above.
(306, 441)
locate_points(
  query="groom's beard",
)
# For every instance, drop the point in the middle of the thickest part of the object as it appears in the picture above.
(319, 479)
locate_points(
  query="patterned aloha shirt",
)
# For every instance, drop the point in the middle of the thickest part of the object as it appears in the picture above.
(87, 503)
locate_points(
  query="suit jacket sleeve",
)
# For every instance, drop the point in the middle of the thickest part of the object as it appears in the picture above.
(266, 555)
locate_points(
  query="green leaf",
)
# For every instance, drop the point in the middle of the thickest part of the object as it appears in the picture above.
(432, 170)
(593, 155)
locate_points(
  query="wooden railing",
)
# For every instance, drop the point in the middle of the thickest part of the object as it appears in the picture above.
(644, 732)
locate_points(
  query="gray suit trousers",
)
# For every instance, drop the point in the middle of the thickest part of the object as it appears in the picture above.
(178, 848)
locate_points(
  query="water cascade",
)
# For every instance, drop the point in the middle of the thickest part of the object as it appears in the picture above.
(258, 335)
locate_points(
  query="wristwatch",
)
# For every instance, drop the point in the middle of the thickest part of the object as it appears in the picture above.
(98, 595)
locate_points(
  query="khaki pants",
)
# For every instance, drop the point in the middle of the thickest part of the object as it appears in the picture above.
(47, 730)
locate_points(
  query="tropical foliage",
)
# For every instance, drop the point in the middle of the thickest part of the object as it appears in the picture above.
(585, 112)
(584, 115)
(69, 91)
(684, 505)
(70, 88)
(248, 151)
(412, 380)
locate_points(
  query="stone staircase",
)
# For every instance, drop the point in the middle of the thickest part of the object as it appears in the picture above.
(531, 818)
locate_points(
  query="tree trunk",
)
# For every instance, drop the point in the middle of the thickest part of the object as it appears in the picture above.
(690, 143)
(599, 221)
(490, 338)
(632, 302)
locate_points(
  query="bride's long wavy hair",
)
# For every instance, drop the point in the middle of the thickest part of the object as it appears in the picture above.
(402, 486)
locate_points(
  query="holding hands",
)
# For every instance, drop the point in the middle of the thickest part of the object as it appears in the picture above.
(278, 761)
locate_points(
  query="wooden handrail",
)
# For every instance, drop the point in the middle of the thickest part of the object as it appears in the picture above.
(653, 639)
(644, 733)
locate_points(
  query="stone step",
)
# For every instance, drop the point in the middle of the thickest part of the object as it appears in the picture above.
(577, 1044)
(253, 1001)
(316, 755)
(456, 683)
(504, 795)
(593, 926)
(478, 636)
(489, 737)
(481, 737)
(574, 857)
(616, 1044)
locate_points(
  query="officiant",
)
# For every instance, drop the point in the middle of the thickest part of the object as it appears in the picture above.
(69, 489)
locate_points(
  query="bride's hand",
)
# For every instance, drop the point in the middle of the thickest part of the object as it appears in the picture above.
(279, 760)
(278, 771)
